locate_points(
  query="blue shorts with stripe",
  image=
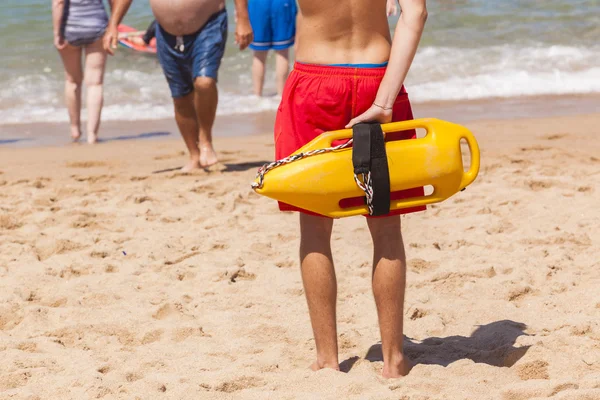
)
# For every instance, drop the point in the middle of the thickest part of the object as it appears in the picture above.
(273, 23)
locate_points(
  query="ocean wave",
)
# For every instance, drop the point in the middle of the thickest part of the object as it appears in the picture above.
(438, 73)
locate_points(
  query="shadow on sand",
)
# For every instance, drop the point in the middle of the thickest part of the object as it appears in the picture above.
(228, 167)
(146, 135)
(11, 141)
(491, 344)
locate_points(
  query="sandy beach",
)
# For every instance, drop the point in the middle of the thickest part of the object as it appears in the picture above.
(122, 278)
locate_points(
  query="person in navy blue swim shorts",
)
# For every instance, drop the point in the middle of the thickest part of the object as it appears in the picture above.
(190, 43)
(274, 26)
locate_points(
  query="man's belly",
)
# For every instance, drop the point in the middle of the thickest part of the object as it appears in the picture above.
(183, 17)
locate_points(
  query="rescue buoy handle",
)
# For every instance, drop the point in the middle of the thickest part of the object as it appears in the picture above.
(471, 174)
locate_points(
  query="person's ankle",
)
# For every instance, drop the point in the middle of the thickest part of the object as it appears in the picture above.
(396, 365)
(327, 362)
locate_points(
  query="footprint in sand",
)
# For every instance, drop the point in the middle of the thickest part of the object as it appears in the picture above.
(152, 336)
(537, 369)
(86, 164)
(181, 334)
(169, 156)
(10, 316)
(169, 311)
(555, 136)
(535, 148)
(104, 369)
(418, 313)
(235, 385)
(518, 293)
(60, 246)
(9, 222)
(133, 376)
(420, 265)
(14, 380)
(287, 263)
(236, 274)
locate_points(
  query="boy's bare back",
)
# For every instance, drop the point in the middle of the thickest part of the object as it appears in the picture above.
(334, 31)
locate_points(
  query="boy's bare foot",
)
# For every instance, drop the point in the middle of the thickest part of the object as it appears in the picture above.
(192, 165)
(75, 133)
(318, 366)
(398, 367)
(92, 138)
(208, 156)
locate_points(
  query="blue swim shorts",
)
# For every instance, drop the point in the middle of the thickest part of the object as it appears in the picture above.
(184, 58)
(273, 23)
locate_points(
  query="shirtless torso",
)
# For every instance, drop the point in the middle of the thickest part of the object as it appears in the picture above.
(183, 17)
(353, 31)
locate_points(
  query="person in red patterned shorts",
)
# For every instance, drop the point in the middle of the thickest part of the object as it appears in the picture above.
(349, 70)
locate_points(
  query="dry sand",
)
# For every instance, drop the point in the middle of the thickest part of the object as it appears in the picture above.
(121, 278)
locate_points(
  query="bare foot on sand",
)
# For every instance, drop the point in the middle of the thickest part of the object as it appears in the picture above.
(92, 138)
(208, 156)
(192, 165)
(396, 368)
(317, 366)
(75, 133)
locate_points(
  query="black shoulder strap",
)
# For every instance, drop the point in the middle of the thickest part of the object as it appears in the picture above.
(368, 155)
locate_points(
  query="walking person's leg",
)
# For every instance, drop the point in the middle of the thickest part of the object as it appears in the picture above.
(207, 53)
(177, 70)
(283, 20)
(95, 62)
(187, 122)
(258, 71)
(259, 14)
(389, 281)
(71, 58)
(282, 68)
(206, 100)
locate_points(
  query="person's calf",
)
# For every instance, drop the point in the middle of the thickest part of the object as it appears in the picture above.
(206, 99)
(187, 121)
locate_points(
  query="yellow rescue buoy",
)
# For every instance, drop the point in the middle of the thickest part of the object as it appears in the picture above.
(318, 176)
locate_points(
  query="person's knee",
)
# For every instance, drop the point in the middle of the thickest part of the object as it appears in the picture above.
(204, 83)
(387, 229)
(74, 82)
(91, 80)
(184, 105)
(315, 231)
(283, 53)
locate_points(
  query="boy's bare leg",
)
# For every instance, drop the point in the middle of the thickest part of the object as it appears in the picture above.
(320, 287)
(282, 68)
(206, 101)
(389, 281)
(258, 71)
(95, 61)
(187, 121)
(71, 57)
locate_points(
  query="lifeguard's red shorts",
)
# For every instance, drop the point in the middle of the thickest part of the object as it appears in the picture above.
(320, 98)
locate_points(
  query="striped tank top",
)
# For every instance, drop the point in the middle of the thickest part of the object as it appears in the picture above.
(83, 21)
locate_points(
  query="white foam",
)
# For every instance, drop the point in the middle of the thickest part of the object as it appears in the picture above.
(438, 73)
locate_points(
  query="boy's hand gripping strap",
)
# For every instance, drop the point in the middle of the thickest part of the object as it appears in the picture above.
(370, 161)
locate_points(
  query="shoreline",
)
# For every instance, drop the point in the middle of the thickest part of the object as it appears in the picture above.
(44, 134)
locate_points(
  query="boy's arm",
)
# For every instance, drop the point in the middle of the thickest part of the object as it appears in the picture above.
(58, 7)
(111, 36)
(404, 46)
(243, 30)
